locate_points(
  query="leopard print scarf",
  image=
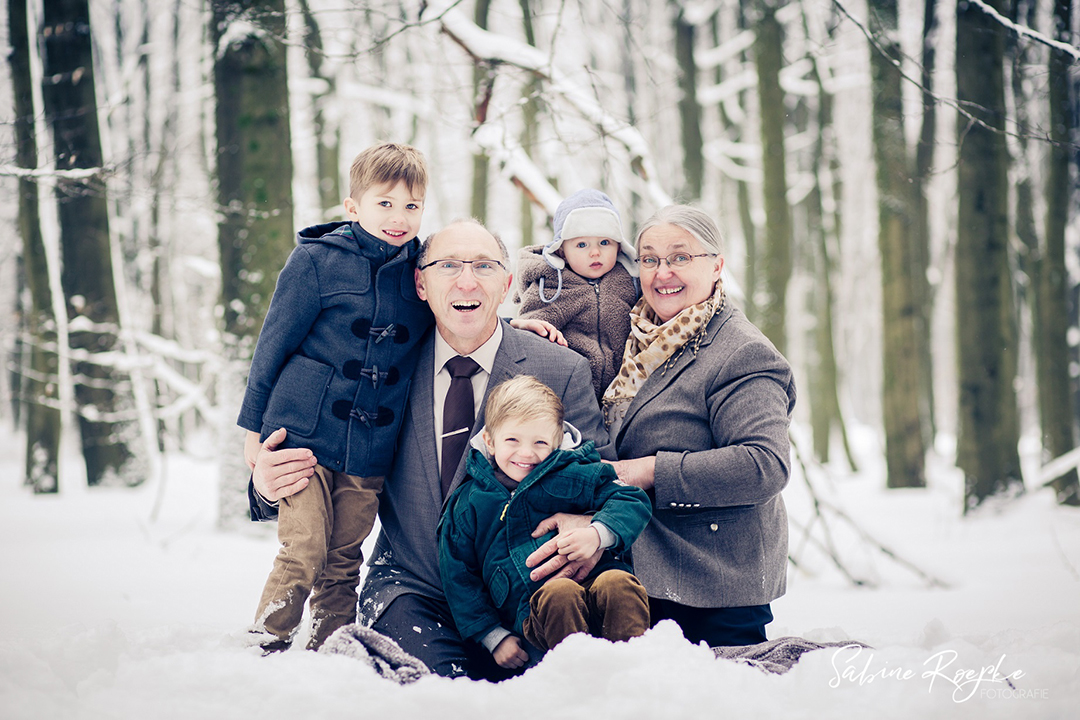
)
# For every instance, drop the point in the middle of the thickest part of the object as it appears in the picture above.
(652, 345)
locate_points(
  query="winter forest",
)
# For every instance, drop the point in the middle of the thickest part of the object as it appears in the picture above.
(897, 182)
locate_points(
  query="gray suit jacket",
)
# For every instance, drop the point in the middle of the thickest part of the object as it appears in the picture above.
(718, 426)
(406, 556)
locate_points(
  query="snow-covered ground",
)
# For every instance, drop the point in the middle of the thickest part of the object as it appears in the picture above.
(105, 614)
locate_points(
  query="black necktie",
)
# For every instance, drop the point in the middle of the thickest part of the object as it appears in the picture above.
(458, 416)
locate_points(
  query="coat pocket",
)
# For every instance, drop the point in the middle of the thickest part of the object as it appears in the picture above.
(498, 586)
(298, 395)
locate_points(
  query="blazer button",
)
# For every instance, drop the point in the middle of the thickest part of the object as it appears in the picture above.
(714, 527)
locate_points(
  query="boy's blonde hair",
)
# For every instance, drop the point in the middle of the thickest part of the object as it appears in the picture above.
(524, 398)
(388, 163)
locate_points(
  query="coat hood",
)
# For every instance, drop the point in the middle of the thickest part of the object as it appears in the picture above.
(349, 236)
(571, 440)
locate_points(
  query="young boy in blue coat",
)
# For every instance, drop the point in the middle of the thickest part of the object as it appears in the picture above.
(332, 367)
(521, 470)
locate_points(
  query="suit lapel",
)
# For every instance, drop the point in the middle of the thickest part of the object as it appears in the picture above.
(422, 417)
(660, 379)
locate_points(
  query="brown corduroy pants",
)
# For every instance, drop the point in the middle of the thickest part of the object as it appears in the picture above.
(321, 529)
(613, 605)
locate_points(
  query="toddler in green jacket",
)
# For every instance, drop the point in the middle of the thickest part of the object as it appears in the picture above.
(522, 470)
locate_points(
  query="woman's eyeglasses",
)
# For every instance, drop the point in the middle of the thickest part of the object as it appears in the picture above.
(674, 260)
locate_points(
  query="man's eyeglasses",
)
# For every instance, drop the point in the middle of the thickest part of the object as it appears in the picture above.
(675, 260)
(452, 268)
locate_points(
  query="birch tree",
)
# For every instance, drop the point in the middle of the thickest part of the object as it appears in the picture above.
(39, 387)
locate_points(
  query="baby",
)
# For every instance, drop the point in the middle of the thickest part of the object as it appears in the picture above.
(591, 303)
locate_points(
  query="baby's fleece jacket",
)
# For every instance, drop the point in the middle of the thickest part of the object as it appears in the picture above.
(486, 532)
(594, 315)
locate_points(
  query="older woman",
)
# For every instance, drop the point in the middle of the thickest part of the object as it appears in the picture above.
(699, 414)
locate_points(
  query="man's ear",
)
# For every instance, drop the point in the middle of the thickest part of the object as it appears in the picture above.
(418, 277)
(509, 284)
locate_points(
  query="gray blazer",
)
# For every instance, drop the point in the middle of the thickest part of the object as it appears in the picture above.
(406, 555)
(718, 426)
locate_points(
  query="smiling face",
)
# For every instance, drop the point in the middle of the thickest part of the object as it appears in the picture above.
(670, 290)
(465, 307)
(590, 257)
(520, 445)
(390, 212)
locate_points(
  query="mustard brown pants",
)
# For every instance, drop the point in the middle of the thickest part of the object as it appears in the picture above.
(613, 605)
(321, 529)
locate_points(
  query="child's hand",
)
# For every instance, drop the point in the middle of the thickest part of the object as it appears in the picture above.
(251, 449)
(579, 544)
(509, 653)
(541, 327)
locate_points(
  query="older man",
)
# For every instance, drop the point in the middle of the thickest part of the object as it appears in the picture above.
(463, 274)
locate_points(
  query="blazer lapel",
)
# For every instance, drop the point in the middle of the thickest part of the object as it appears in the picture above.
(660, 379)
(422, 417)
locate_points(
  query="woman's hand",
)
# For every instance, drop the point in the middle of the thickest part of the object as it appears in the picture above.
(281, 473)
(639, 472)
(509, 654)
(541, 327)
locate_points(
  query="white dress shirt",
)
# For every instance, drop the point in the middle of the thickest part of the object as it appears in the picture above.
(484, 356)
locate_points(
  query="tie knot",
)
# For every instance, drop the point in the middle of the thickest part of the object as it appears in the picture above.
(462, 367)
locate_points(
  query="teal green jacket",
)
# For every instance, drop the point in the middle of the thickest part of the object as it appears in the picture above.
(486, 532)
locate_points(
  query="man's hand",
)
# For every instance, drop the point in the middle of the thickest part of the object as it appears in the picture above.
(509, 654)
(555, 565)
(281, 473)
(541, 327)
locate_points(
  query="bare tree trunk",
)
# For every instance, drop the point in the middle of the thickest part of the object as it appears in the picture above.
(987, 445)
(776, 261)
(39, 388)
(483, 83)
(87, 275)
(904, 448)
(824, 228)
(1054, 384)
(689, 109)
(530, 111)
(327, 130)
(924, 165)
(255, 234)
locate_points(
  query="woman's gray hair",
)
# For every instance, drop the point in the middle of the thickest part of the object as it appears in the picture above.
(694, 221)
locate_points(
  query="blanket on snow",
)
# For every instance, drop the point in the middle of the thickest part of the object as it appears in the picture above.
(390, 661)
(779, 655)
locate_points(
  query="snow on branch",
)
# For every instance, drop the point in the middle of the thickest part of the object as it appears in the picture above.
(496, 49)
(518, 167)
(45, 174)
(1024, 30)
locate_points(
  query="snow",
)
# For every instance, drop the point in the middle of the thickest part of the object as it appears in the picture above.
(105, 614)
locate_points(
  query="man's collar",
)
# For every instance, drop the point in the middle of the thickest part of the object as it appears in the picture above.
(483, 355)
